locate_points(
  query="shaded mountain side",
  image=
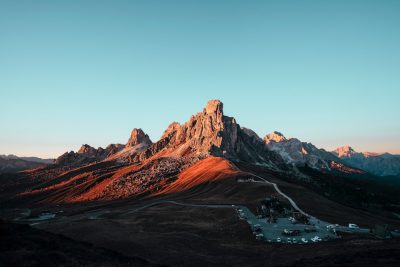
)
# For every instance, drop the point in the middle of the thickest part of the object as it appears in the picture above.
(357, 191)
(359, 195)
(378, 164)
(22, 245)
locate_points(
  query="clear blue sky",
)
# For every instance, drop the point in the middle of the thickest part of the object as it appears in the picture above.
(73, 72)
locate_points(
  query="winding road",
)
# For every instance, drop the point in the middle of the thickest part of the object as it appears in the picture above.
(292, 202)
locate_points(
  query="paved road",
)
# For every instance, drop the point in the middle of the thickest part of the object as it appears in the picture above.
(313, 219)
(181, 204)
(282, 194)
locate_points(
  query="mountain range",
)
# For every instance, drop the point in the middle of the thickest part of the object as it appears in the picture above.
(211, 133)
(178, 200)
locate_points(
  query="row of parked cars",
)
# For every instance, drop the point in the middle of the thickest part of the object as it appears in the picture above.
(295, 241)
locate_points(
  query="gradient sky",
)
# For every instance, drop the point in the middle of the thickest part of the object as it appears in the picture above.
(74, 72)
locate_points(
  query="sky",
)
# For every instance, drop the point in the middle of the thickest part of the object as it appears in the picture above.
(76, 72)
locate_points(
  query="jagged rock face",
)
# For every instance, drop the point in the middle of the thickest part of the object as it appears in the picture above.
(375, 163)
(113, 148)
(86, 149)
(137, 143)
(138, 137)
(252, 134)
(211, 133)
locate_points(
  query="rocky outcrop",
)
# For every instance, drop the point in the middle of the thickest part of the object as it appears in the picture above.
(378, 164)
(344, 151)
(138, 142)
(275, 137)
(87, 154)
(210, 133)
(138, 137)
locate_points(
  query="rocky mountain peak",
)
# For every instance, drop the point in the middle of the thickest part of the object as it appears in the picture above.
(214, 107)
(210, 133)
(345, 151)
(275, 137)
(86, 149)
(251, 133)
(138, 137)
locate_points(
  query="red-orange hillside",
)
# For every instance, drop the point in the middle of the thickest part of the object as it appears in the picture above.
(205, 171)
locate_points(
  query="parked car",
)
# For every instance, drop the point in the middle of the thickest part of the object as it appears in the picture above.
(353, 226)
(304, 240)
(278, 240)
(316, 239)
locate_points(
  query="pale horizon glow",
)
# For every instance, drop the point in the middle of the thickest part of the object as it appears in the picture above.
(77, 72)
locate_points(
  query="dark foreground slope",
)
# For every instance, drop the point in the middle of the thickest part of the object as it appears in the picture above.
(194, 234)
(22, 245)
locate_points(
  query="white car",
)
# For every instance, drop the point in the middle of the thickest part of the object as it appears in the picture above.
(289, 240)
(353, 226)
(304, 240)
(278, 240)
(294, 241)
(317, 239)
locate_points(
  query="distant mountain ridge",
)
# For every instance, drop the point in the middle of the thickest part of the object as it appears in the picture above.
(211, 133)
(12, 163)
(31, 159)
(384, 164)
(298, 153)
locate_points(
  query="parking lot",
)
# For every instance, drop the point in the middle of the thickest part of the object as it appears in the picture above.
(315, 231)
